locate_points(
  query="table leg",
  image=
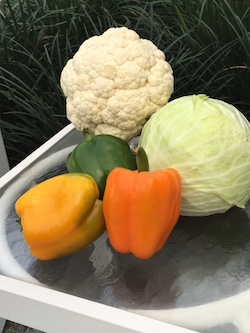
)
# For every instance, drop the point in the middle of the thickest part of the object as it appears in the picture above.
(2, 324)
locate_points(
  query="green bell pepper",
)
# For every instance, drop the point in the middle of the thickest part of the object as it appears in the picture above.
(98, 155)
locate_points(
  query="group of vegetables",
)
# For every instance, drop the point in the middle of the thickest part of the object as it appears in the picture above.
(103, 189)
(193, 156)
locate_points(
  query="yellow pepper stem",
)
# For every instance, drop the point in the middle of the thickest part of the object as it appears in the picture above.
(20, 223)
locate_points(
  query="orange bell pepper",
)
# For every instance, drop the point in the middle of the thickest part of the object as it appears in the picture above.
(61, 215)
(141, 209)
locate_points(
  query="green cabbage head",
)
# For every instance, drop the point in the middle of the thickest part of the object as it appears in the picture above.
(208, 142)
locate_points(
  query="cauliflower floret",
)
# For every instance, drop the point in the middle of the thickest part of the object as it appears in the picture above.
(114, 82)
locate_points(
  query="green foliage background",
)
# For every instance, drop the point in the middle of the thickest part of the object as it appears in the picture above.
(207, 43)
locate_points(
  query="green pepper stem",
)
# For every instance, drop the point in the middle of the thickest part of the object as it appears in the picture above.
(87, 135)
(141, 159)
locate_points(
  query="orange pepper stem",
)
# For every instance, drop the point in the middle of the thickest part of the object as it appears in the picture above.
(87, 135)
(141, 159)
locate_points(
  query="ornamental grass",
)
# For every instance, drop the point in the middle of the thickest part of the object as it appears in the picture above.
(207, 43)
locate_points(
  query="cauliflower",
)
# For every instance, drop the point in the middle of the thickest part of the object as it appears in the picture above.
(115, 82)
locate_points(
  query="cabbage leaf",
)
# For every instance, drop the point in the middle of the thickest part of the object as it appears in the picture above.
(208, 142)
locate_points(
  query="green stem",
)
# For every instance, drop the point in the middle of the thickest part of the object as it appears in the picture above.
(19, 222)
(141, 159)
(87, 135)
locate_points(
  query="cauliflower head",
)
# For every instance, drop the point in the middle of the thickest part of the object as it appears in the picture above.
(115, 82)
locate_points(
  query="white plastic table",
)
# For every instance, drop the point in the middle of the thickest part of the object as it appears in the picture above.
(198, 282)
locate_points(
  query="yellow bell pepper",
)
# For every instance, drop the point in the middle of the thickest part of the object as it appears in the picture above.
(61, 215)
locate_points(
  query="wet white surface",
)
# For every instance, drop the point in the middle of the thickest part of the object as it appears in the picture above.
(199, 280)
